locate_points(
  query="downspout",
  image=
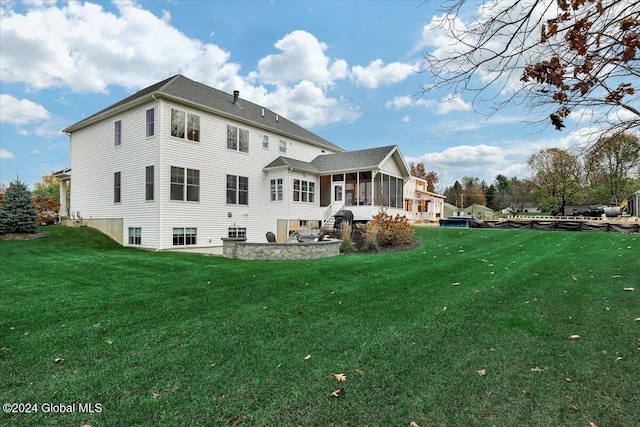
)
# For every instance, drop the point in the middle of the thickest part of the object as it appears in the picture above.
(289, 200)
(157, 176)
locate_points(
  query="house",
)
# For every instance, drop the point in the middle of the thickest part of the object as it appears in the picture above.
(180, 164)
(420, 204)
(632, 204)
(452, 210)
(478, 211)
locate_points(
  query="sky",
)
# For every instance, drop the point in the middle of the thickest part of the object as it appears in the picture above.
(349, 71)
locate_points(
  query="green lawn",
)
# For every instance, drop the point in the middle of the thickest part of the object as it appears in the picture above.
(187, 339)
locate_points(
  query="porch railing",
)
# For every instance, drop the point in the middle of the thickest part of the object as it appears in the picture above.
(331, 210)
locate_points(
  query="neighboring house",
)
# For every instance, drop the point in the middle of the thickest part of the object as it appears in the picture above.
(180, 164)
(478, 211)
(420, 204)
(452, 210)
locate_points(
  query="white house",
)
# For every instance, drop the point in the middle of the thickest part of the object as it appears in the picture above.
(180, 164)
(420, 204)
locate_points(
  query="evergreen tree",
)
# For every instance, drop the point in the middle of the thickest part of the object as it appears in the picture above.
(18, 213)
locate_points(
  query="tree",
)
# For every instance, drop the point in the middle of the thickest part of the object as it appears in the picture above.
(18, 212)
(472, 192)
(418, 170)
(557, 57)
(453, 194)
(46, 196)
(613, 166)
(556, 178)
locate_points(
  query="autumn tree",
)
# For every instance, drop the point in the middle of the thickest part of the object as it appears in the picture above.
(419, 170)
(18, 213)
(46, 196)
(558, 57)
(472, 192)
(613, 167)
(557, 179)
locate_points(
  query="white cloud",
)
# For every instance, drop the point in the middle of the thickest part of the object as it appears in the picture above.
(376, 73)
(302, 58)
(452, 102)
(4, 154)
(83, 47)
(399, 102)
(448, 104)
(406, 119)
(20, 111)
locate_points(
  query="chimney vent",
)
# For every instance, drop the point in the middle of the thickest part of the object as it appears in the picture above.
(236, 95)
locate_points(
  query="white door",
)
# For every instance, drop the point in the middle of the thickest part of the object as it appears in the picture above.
(338, 193)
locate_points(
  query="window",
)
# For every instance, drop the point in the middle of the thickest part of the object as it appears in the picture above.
(388, 191)
(304, 191)
(283, 146)
(276, 190)
(265, 141)
(237, 232)
(135, 236)
(149, 183)
(185, 236)
(178, 186)
(237, 190)
(185, 125)
(118, 133)
(237, 139)
(116, 187)
(151, 126)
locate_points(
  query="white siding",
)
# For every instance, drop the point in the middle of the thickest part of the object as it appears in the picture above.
(95, 158)
(212, 216)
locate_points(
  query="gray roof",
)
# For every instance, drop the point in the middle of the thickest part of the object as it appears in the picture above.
(370, 158)
(189, 91)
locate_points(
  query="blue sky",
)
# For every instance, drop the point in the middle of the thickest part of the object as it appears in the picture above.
(346, 70)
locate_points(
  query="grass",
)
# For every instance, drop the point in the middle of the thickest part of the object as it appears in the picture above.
(187, 339)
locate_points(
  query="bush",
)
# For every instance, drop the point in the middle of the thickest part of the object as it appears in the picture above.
(390, 230)
(371, 236)
(18, 212)
(346, 240)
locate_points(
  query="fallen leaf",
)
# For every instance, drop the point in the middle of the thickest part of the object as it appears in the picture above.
(233, 419)
(618, 358)
(413, 424)
(339, 392)
(569, 398)
(174, 388)
(455, 284)
(537, 369)
(109, 342)
(629, 289)
(593, 425)
(574, 337)
(307, 357)
(157, 394)
(637, 319)
(58, 360)
(86, 425)
(568, 380)
(482, 372)
(340, 377)
(359, 371)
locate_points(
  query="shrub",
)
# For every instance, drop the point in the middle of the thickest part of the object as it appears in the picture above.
(391, 230)
(371, 236)
(18, 212)
(346, 240)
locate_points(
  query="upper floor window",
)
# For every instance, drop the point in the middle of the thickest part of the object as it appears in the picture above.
(185, 184)
(237, 139)
(304, 191)
(117, 187)
(150, 123)
(283, 146)
(118, 133)
(276, 190)
(149, 183)
(185, 125)
(237, 190)
(265, 141)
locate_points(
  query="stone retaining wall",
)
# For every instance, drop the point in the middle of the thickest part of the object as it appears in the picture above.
(241, 249)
